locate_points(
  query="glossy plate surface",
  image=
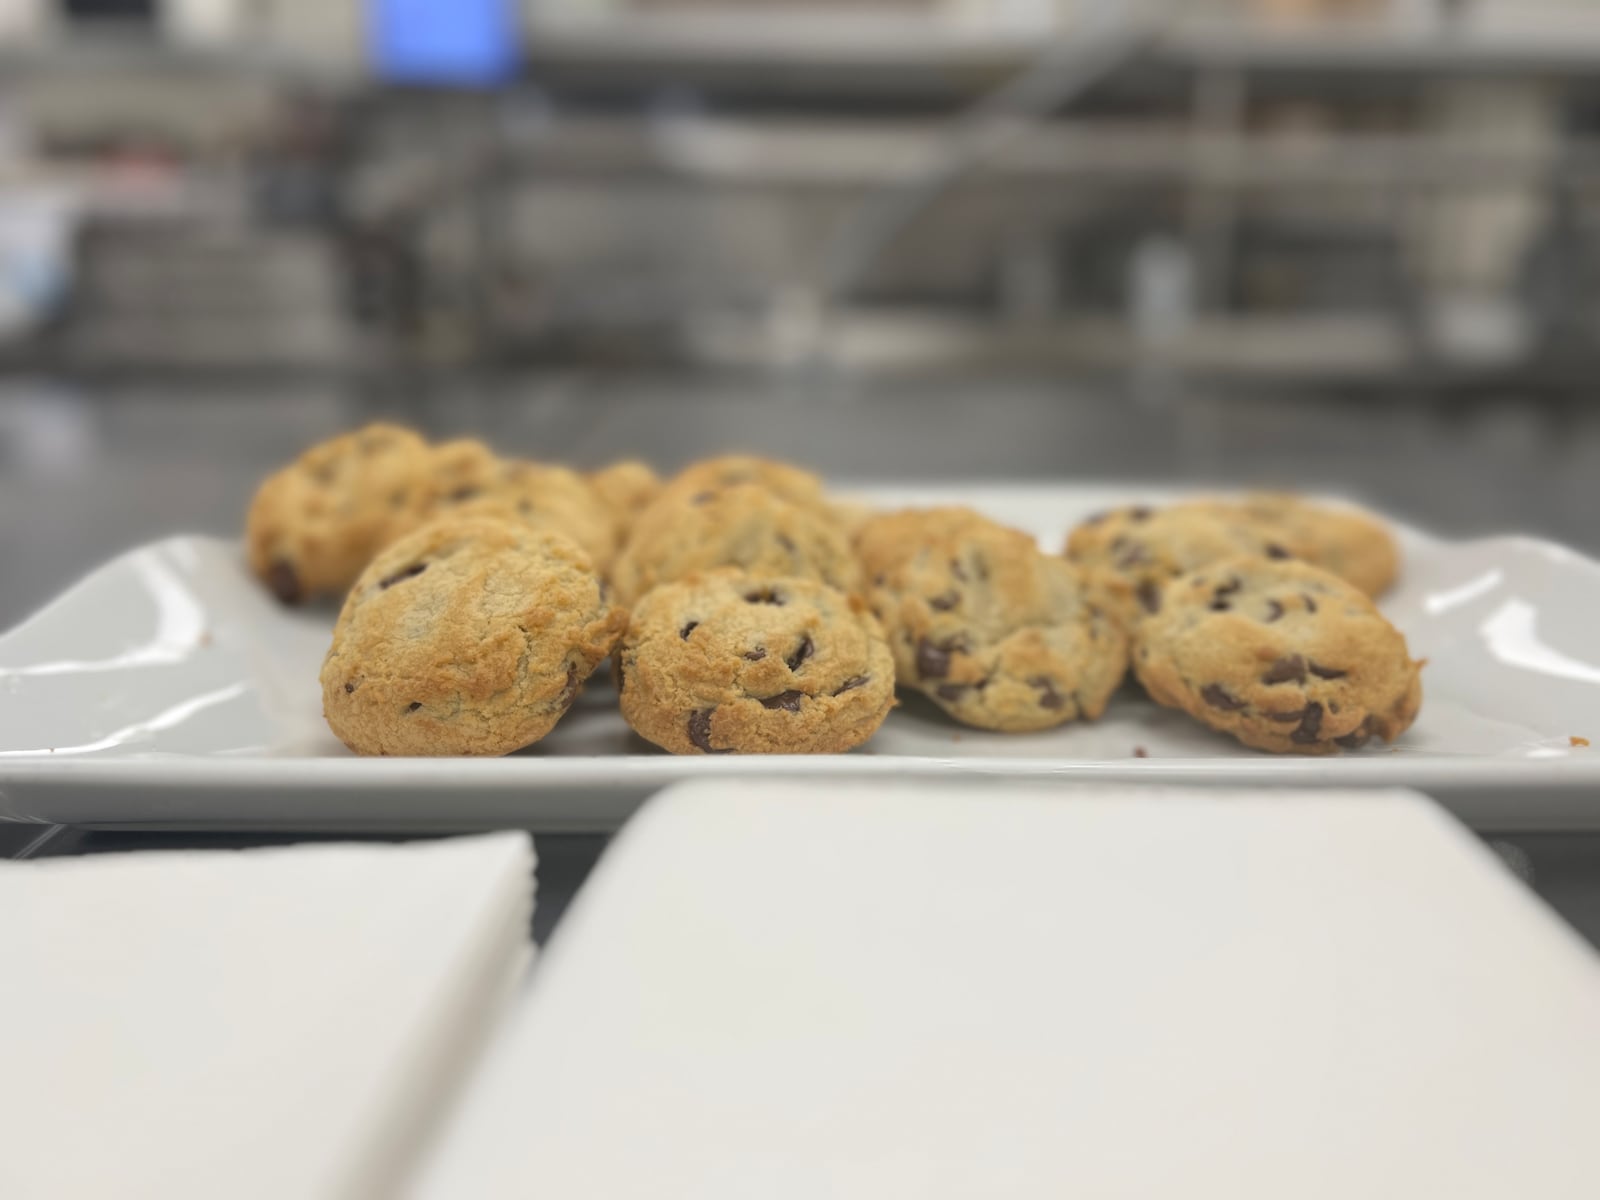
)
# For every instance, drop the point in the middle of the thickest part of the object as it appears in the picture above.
(168, 689)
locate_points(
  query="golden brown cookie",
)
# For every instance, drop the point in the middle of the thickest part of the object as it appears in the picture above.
(851, 516)
(781, 479)
(561, 500)
(733, 663)
(316, 523)
(1283, 655)
(625, 489)
(1141, 548)
(471, 635)
(461, 471)
(998, 634)
(1352, 544)
(741, 525)
(469, 479)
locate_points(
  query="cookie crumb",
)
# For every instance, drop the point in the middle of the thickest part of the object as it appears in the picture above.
(1140, 752)
(955, 737)
(1575, 740)
(205, 638)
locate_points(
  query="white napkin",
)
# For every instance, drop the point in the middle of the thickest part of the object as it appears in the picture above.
(269, 1023)
(772, 991)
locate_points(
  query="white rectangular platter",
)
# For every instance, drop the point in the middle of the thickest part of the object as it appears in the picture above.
(168, 690)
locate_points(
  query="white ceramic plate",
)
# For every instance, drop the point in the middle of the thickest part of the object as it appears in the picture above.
(167, 689)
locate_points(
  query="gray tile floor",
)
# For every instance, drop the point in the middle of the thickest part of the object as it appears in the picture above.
(86, 471)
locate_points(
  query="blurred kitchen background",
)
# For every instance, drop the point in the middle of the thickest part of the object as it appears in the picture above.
(1348, 245)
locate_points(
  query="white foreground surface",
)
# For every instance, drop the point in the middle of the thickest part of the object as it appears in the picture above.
(782, 991)
(268, 1023)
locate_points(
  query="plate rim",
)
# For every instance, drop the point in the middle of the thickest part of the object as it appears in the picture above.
(26, 778)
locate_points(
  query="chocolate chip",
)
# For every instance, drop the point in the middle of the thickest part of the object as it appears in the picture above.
(1310, 726)
(850, 685)
(933, 659)
(1219, 602)
(1276, 551)
(1274, 611)
(786, 542)
(1322, 672)
(757, 654)
(1311, 605)
(688, 629)
(1139, 513)
(952, 691)
(413, 706)
(410, 572)
(801, 652)
(569, 692)
(700, 731)
(1358, 738)
(348, 688)
(1150, 596)
(398, 499)
(1049, 697)
(463, 493)
(957, 570)
(1131, 555)
(945, 601)
(1289, 668)
(285, 584)
(764, 596)
(1286, 718)
(982, 568)
(788, 701)
(879, 579)
(1218, 696)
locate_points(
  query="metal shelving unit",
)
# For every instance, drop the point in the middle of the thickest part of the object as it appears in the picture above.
(783, 119)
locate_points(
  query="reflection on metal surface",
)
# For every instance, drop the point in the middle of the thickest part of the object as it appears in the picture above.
(1443, 602)
(172, 717)
(1512, 636)
(180, 623)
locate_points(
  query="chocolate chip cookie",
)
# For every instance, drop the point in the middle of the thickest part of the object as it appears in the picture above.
(1141, 547)
(470, 479)
(471, 635)
(1352, 544)
(1283, 655)
(625, 489)
(781, 479)
(733, 663)
(316, 523)
(998, 634)
(740, 525)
